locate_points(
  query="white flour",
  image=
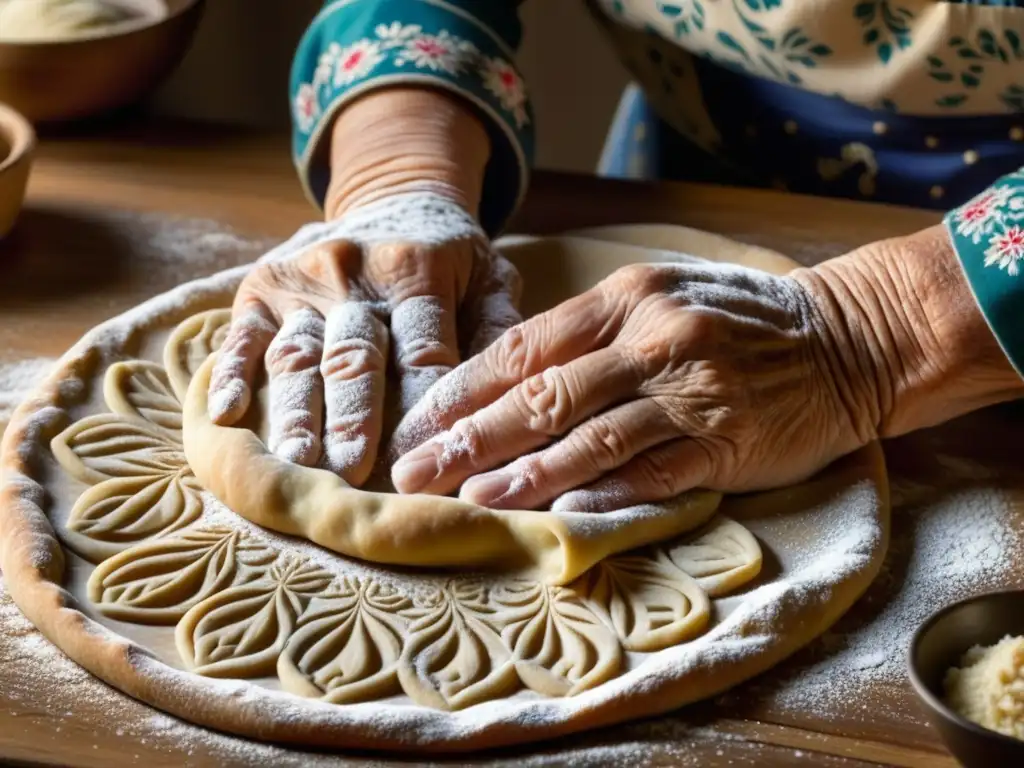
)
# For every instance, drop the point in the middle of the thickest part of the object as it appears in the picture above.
(961, 545)
(17, 380)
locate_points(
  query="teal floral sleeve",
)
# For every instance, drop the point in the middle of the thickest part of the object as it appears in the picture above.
(465, 47)
(988, 234)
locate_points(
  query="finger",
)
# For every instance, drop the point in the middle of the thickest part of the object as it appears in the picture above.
(659, 474)
(353, 368)
(543, 407)
(496, 309)
(238, 362)
(597, 446)
(426, 342)
(296, 387)
(556, 337)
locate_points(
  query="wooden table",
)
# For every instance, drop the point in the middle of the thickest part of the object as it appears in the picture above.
(64, 270)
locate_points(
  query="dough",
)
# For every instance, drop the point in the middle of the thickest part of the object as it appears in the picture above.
(43, 20)
(234, 464)
(988, 687)
(169, 577)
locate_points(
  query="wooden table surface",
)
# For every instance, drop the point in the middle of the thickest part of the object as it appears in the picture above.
(68, 266)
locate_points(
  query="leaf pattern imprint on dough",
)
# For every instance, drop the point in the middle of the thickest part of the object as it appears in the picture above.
(348, 642)
(133, 457)
(158, 581)
(240, 631)
(191, 343)
(453, 657)
(650, 603)
(559, 646)
(722, 556)
(142, 390)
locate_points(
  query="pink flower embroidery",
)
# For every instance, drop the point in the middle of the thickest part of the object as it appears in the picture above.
(356, 62)
(978, 217)
(501, 79)
(1006, 250)
(442, 52)
(306, 107)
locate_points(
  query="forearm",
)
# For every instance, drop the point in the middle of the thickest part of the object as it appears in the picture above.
(406, 139)
(908, 339)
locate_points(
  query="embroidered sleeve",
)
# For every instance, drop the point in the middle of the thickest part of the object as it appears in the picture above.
(462, 46)
(988, 234)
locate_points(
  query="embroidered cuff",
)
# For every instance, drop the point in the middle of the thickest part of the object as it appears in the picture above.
(988, 235)
(354, 46)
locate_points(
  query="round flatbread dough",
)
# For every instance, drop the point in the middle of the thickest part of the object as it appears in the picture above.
(119, 553)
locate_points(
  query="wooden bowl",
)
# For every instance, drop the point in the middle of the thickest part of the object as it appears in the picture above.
(59, 80)
(17, 144)
(939, 644)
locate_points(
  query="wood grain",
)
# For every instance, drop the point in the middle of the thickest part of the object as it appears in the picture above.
(78, 256)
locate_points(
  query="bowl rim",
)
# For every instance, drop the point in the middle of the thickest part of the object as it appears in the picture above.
(19, 133)
(117, 30)
(933, 701)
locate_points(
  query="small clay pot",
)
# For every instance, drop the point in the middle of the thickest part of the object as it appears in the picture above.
(940, 644)
(17, 145)
(51, 81)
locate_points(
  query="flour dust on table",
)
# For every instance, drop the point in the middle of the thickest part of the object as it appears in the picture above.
(187, 565)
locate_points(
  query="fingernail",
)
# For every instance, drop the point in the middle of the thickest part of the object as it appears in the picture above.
(416, 470)
(229, 402)
(296, 450)
(487, 490)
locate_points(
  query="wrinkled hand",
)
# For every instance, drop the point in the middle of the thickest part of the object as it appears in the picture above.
(323, 323)
(660, 379)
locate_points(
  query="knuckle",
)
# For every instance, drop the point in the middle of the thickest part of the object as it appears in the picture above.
(426, 352)
(465, 442)
(350, 359)
(638, 278)
(603, 445)
(546, 402)
(292, 355)
(511, 353)
(658, 475)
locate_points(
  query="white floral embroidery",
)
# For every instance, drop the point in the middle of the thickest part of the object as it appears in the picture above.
(325, 65)
(1006, 249)
(307, 107)
(396, 33)
(501, 79)
(442, 52)
(406, 45)
(357, 61)
(978, 218)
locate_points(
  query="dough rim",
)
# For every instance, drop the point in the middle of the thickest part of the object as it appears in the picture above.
(32, 560)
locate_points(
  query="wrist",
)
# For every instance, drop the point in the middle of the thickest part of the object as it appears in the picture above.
(406, 140)
(907, 335)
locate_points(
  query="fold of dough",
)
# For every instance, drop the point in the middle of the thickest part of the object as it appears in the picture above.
(414, 530)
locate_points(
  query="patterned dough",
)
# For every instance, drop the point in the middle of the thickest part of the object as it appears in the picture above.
(180, 581)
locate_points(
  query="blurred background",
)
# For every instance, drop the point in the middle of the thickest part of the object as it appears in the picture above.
(237, 72)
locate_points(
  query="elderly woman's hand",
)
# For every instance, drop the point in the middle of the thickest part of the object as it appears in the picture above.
(667, 377)
(401, 272)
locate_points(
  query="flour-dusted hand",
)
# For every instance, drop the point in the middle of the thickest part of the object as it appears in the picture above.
(410, 278)
(660, 379)
(667, 377)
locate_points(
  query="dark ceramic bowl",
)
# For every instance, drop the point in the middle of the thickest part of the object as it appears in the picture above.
(939, 644)
(54, 81)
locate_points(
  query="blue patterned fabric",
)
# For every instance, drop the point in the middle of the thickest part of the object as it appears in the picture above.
(776, 135)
